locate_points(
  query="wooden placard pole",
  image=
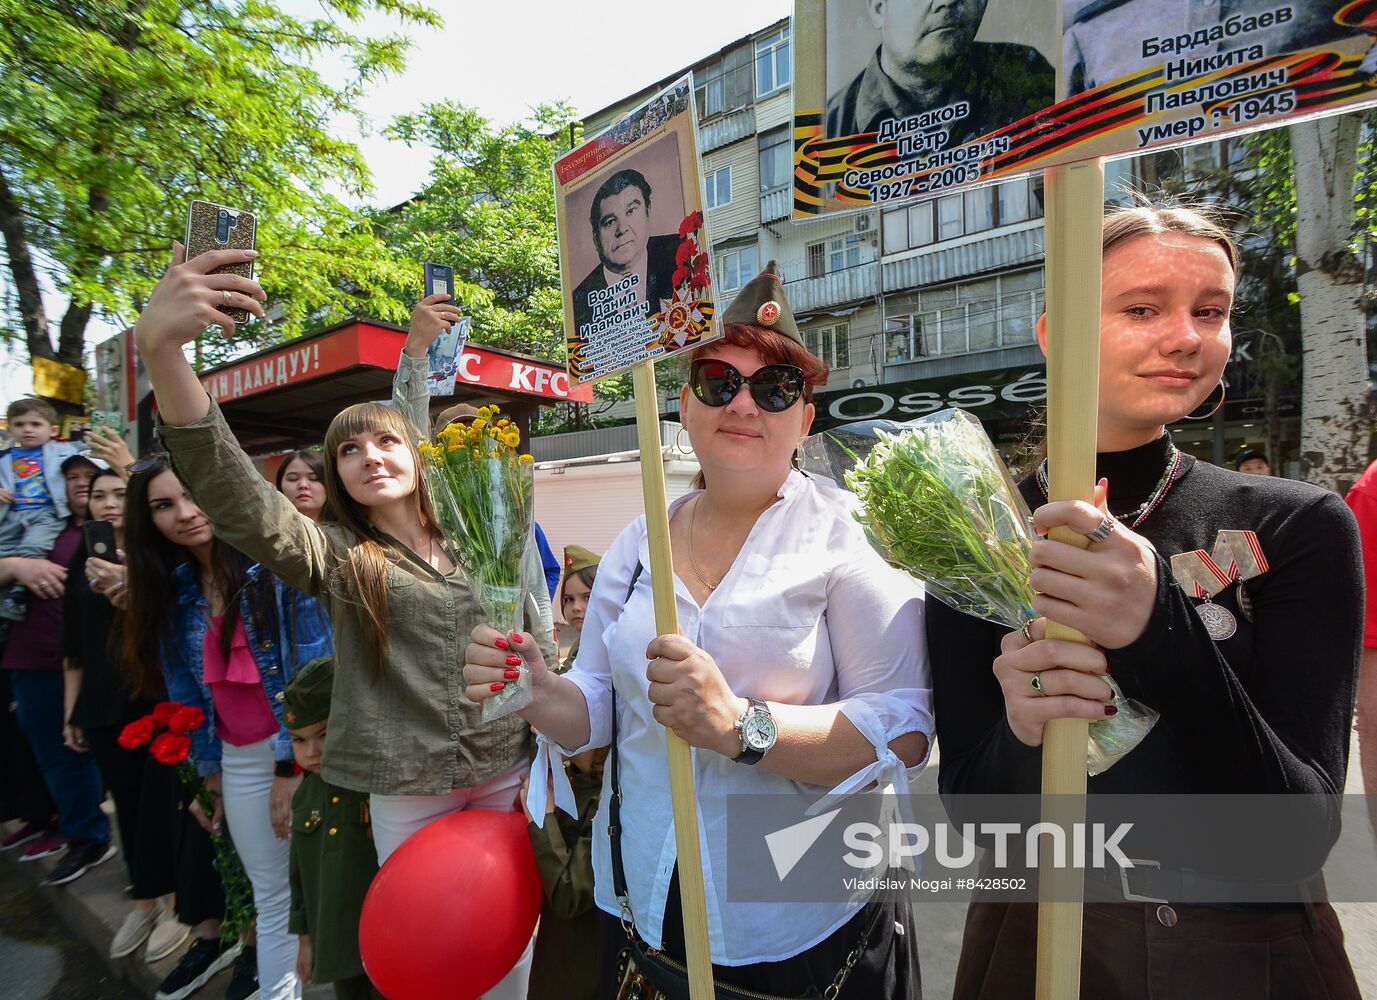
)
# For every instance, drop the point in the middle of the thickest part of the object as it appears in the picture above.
(1075, 216)
(681, 782)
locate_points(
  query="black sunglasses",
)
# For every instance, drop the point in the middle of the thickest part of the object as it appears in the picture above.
(147, 464)
(774, 388)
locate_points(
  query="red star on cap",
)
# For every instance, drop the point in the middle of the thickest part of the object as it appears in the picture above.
(768, 314)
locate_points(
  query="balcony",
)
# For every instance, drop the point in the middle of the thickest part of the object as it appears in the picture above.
(776, 206)
(939, 265)
(851, 284)
(726, 130)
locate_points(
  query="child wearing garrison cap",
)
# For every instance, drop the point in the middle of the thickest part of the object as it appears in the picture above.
(333, 860)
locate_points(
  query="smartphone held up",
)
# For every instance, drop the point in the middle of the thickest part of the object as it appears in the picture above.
(218, 227)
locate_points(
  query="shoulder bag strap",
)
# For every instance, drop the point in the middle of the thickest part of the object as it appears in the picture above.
(614, 801)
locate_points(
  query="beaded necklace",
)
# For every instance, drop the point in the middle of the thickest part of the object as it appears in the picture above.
(1154, 500)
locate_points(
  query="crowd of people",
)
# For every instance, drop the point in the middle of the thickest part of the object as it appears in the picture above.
(340, 658)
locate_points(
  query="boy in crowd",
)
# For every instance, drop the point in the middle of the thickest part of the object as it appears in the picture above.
(333, 860)
(33, 496)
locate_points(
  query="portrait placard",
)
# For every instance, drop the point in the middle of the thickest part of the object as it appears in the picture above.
(901, 99)
(635, 271)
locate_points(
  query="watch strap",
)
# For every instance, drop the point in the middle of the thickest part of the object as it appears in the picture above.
(284, 768)
(748, 755)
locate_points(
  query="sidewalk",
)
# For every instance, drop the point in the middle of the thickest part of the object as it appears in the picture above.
(94, 906)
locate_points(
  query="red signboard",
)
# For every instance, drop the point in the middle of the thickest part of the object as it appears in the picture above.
(376, 346)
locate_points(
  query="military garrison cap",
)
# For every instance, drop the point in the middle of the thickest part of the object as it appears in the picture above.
(762, 303)
(576, 557)
(307, 699)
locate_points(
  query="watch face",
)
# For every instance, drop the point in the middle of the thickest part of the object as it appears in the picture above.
(759, 732)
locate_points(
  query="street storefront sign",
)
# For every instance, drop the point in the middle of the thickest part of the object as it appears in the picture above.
(633, 247)
(1138, 75)
(1008, 394)
(367, 345)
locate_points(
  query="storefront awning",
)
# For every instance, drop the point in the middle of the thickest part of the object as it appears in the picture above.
(285, 396)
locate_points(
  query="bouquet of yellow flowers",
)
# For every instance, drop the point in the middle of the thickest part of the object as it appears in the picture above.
(483, 492)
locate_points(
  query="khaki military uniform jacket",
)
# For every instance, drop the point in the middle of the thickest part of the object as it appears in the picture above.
(333, 862)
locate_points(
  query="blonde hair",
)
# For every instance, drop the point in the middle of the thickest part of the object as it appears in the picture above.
(367, 566)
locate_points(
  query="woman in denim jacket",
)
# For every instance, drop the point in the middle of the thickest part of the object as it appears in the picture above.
(229, 636)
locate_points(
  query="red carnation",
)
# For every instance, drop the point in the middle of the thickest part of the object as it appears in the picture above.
(692, 222)
(137, 733)
(188, 717)
(164, 711)
(687, 248)
(170, 748)
(681, 275)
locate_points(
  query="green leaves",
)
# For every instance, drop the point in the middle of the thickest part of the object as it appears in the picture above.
(114, 116)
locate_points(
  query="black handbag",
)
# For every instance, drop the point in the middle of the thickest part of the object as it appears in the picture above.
(646, 973)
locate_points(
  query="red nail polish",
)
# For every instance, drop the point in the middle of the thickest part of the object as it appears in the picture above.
(513, 661)
(497, 686)
(516, 639)
(511, 675)
(1108, 669)
(1110, 710)
(501, 643)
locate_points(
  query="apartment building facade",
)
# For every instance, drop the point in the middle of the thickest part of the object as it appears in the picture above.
(928, 304)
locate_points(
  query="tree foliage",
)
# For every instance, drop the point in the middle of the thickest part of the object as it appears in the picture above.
(115, 115)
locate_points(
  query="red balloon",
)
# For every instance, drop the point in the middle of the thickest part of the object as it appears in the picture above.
(452, 909)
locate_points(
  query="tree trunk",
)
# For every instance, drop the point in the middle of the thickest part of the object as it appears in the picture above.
(31, 311)
(1334, 385)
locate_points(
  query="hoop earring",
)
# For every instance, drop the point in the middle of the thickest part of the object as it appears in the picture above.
(681, 441)
(1223, 393)
(795, 461)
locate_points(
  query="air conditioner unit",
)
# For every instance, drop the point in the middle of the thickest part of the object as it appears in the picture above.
(865, 223)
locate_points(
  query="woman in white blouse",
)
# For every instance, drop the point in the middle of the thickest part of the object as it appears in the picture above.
(787, 616)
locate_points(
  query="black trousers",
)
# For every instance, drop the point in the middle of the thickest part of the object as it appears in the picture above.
(888, 968)
(199, 896)
(146, 796)
(23, 793)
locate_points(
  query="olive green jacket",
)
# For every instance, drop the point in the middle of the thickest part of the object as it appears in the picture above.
(333, 862)
(409, 731)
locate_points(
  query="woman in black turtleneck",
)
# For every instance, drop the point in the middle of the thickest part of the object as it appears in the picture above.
(1254, 682)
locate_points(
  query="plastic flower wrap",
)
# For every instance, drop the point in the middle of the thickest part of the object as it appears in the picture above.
(937, 501)
(483, 492)
(164, 732)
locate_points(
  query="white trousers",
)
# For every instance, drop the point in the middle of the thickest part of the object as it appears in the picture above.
(248, 778)
(396, 817)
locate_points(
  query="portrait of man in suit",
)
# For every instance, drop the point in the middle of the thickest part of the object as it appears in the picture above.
(622, 222)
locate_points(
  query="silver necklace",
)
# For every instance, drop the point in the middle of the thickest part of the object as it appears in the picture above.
(1154, 500)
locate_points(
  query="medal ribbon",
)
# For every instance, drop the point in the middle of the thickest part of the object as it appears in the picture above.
(1237, 556)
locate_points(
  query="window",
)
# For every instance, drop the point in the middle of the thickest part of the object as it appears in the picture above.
(962, 214)
(774, 159)
(724, 84)
(772, 62)
(975, 316)
(735, 268)
(817, 259)
(844, 252)
(719, 188)
(831, 343)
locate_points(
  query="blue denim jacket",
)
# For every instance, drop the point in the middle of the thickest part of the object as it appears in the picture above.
(303, 633)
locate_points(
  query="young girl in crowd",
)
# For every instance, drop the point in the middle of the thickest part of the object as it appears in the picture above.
(301, 479)
(580, 569)
(98, 705)
(228, 636)
(790, 676)
(1254, 683)
(400, 727)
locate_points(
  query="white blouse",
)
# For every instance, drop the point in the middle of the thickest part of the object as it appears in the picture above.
(808, 614)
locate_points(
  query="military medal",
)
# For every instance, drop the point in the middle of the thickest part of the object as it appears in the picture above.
(1219, 622)
(1237, 556)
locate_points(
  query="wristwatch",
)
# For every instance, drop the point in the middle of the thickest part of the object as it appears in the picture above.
(284, 768)
(757, 730)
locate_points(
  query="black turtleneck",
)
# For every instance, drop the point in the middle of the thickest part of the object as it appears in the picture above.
(1267, 710)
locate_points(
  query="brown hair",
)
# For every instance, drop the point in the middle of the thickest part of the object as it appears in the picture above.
(1120, 226)
(774, 348)
(586, 576)
(367, 564)
(30, 405)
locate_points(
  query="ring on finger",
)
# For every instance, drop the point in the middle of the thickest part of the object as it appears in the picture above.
(1026, 629)
(1104, 529)
(1036, 681)
(224, 294)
